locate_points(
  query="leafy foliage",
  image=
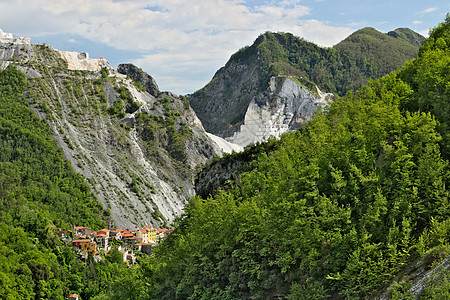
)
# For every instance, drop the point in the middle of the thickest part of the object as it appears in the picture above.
(169, 131)
(429, 77)
(337, 209)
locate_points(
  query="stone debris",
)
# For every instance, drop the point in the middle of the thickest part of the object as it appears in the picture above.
(224, 145)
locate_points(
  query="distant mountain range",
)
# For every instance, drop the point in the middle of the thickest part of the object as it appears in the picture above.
(366, 54)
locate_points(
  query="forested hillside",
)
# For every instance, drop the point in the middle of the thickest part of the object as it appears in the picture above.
(364, 55)
(39, 191)
(341, 208)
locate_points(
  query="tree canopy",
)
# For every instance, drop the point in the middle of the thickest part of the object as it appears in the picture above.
(339, 208)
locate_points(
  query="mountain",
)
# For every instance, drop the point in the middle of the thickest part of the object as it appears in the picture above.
(137, 146)
(352, 206)
(222, 104)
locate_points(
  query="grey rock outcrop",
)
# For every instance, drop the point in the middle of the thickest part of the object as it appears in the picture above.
(12, 48)
(140, 76)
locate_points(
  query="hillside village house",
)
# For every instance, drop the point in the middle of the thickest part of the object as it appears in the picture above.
(144, 247)
(152, 233)
(162, 233)
(86, 245)
(143, 234)
(82, 231)
(116, 234)
(141, 240)
(65, 235)
(74, 297)
(102, 238)
(130, 239)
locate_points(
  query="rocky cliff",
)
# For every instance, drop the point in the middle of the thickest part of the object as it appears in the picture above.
(138, 147)
(285, 105)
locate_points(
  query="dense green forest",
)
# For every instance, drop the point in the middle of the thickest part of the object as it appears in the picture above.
(339, 209)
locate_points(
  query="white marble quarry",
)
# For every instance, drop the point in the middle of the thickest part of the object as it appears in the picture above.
(9, 38)
(286, 105)
(81, 61)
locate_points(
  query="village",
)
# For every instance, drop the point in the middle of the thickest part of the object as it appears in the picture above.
(99, 243)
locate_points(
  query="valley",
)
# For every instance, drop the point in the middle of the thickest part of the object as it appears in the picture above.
(297, 172)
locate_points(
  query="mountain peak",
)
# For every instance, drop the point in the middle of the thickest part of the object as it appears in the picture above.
(407, 35)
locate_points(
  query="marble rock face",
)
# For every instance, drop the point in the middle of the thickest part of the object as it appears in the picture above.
(284, 106)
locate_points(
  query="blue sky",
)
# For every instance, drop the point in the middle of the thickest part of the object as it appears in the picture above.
(183, 43)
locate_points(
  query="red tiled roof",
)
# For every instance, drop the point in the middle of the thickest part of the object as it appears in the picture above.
(83, 240)
(144, 244)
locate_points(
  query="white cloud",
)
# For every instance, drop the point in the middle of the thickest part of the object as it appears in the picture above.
(429, 10)
(181, 42)
(417, 22)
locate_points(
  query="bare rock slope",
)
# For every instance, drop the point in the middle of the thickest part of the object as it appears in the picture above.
(137, 146)
(285, 105)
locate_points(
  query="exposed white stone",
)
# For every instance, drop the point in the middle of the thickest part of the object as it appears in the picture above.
(81, 61)
(286, 105)
(5, 35)
(9, 38)
(224, 145)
